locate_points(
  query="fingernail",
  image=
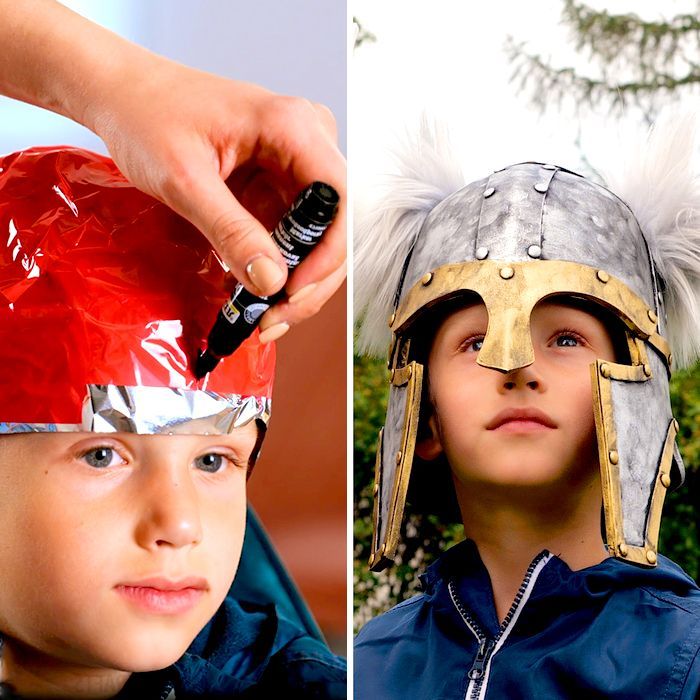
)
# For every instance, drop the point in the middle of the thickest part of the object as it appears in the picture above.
(265, 274)
(302, 293)
(273, 332)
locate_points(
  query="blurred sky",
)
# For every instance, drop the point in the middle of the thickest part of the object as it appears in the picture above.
(447, 57)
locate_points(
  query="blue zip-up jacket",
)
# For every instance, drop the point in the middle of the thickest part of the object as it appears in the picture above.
(247, 652)
(614, 630)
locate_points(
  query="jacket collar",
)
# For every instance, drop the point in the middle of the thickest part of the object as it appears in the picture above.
(557, 589)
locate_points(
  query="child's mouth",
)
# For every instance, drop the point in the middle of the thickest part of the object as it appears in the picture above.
(522, 426)
(163, 597)
(519, 420)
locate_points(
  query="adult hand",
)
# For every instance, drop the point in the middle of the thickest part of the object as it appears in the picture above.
(231, 157)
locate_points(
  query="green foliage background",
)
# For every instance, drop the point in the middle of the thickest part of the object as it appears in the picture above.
(425, 538)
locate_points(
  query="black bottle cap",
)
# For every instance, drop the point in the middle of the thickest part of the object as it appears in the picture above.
(319, 203)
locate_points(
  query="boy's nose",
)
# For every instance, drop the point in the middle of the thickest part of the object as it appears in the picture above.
(170, 511)
(523, 377)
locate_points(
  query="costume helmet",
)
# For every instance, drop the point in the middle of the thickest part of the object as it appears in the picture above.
(105, 297)
(524, 233)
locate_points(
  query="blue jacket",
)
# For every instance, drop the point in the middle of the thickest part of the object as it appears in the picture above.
(247, 652)
(614, 630)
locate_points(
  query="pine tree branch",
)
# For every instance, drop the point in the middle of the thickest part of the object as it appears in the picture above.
(591, 25)
(362, 35)
(647, 46)
(546, 84)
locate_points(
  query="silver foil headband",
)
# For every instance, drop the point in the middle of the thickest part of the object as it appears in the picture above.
(156, 411)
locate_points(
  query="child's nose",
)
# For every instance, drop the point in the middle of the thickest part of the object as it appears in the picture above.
(523, 377)
(170, 511)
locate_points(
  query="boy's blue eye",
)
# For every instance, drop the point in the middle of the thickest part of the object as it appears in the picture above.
(101, 457)
(210, 462)
(567, 341)
(472, 344)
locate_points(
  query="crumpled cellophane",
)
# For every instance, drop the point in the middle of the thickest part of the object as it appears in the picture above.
(102, 290)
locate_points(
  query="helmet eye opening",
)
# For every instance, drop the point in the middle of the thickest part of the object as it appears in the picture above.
(617, 330)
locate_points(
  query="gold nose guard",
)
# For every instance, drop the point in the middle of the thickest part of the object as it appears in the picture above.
(511, 290)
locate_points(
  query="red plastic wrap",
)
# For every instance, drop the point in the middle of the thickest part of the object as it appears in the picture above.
(102, 285)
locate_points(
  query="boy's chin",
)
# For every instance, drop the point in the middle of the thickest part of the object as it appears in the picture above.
(142, 650)
(521, 472)
(154, 655)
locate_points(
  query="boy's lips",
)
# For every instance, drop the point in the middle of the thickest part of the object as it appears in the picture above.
(521, 415)
(164, 596)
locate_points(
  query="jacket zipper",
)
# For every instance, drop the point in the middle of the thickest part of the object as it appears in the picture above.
(168, 692)
(479, 671)
(478, 668)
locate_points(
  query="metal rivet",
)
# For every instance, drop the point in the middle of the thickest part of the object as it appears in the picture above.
(613, 457)
(506, 272)
(489, 191)
(392, 319)
(622, 548)
(541, 187)
(605, 370)
(647, 370)
(665, 480)
(548, 166)
(603, 276)
(427, 279)
(651, 556)
(652, 316)
(675, 424)
(398, 457)
(482, 252)
(534, 251)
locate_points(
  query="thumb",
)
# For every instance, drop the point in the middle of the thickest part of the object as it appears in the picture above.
(241, 240)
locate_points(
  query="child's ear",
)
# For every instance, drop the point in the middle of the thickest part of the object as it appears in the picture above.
(429, 445)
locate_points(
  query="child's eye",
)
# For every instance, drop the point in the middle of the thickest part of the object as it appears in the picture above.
(566, 339)
(102, 457)
(212, 462)
(473, 344)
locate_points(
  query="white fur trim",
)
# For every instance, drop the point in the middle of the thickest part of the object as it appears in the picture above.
(427, 173)
(658, 180)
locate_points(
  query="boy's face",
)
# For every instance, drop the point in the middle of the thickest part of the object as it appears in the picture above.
(99, 532)
(480, 418)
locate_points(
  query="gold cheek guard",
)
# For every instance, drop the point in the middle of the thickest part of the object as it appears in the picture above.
(510, 291)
